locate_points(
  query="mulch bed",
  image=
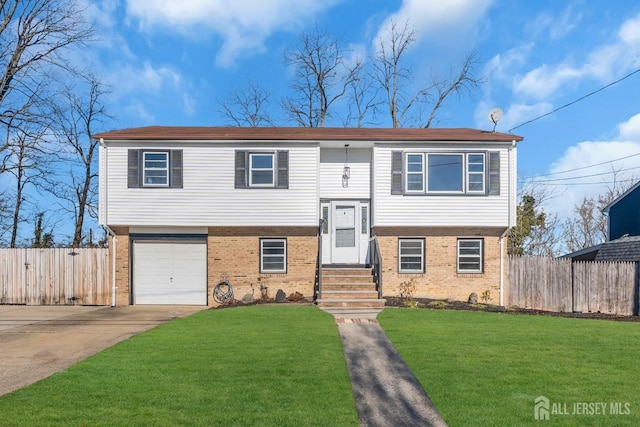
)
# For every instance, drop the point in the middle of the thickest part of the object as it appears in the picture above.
(435, 304)
(432, 304)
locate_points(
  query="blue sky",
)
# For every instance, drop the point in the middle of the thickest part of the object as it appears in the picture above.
(169, 62)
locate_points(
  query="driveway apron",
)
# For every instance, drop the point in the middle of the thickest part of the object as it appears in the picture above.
(385, 390)
(38, 341)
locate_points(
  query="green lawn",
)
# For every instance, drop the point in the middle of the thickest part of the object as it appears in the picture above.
(486, 369)
(249, 366)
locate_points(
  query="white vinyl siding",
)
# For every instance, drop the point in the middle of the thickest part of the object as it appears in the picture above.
(410, 255)
(446, 210)
(332, 162)
(209, 197)
(470, 256)
(273, 255)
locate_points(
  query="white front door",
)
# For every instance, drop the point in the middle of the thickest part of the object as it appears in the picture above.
(346, 234)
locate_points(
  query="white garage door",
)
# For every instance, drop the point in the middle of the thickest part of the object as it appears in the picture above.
(170, 273)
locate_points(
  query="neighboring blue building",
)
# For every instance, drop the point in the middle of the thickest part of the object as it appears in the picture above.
(623, 214)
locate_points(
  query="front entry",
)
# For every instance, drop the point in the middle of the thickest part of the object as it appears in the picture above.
(345, 235)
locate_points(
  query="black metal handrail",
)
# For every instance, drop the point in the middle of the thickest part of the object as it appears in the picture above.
(317, 286)
(376, 263)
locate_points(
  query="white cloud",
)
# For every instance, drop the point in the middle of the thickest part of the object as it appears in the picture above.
(188, 104)
(596, 169)
(557, 25)
(603, 63)
(541, 82)
(243, 25)
(130, 79)
(438, 22)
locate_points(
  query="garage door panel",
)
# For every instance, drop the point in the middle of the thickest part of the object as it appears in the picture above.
(170, 273)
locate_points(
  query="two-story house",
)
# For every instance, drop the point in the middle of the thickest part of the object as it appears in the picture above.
(189, 207)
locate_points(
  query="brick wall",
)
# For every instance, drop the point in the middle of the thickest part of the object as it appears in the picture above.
(122, 266)
(440, 279)
(234, 255)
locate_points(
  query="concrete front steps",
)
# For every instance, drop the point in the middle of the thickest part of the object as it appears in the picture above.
(350, 293)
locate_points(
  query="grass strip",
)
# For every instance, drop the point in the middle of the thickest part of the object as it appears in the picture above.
(485, 369)
(247, 366)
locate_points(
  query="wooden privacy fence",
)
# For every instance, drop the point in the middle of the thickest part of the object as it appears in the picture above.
(584, 286)
(55, 276)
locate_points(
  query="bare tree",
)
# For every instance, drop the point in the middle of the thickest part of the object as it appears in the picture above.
(322, 78)
(363, 100)
(586, 228)
(33, 37)
(25, 161)
(247, 107)
(84, 112)
(395, 78)
(588, 225)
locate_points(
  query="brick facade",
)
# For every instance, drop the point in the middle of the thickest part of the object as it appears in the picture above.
(441, 279)
(123, 270)
(234, 255)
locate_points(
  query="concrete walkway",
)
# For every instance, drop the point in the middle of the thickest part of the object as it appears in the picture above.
(38, 341)
(385, 390)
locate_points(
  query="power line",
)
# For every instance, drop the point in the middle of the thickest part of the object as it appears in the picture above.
(575, 101)
(587, 183)
(584, 176)
(580, 168)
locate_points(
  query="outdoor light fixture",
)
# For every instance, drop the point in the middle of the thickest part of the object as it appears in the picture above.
(346, 171)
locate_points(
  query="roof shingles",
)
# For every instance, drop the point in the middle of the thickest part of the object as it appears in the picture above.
(174, 133)
(622, 249)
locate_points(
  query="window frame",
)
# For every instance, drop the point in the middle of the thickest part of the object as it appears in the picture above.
(272, 169)
(283, 255)
(167, 159)
(479, 256)
(402, 240)
(482, 173)
(421, 173)
(465, 177)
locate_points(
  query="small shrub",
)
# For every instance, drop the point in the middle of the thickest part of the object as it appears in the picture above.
(437, 304)
(486, 296)
(407, 289)
(411, 304)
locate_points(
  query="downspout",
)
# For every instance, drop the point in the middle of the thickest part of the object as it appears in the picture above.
(113, 265)
(510, 223)
(111, 232)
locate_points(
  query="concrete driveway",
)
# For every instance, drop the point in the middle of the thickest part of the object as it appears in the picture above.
(38, 341)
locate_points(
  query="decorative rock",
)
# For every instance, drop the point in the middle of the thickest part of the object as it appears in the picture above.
(280, 296)
(296, 297)
(473, 298)
(247, 299)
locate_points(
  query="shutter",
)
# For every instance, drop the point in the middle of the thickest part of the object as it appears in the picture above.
(494, 173)
(241, 169)
(282, 178)
(176, 168)
(133, 171)
(396, 172)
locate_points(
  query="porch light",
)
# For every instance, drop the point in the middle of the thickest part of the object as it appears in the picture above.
(346, 171)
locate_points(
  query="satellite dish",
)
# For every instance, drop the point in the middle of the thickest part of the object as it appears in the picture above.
(494, 116)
